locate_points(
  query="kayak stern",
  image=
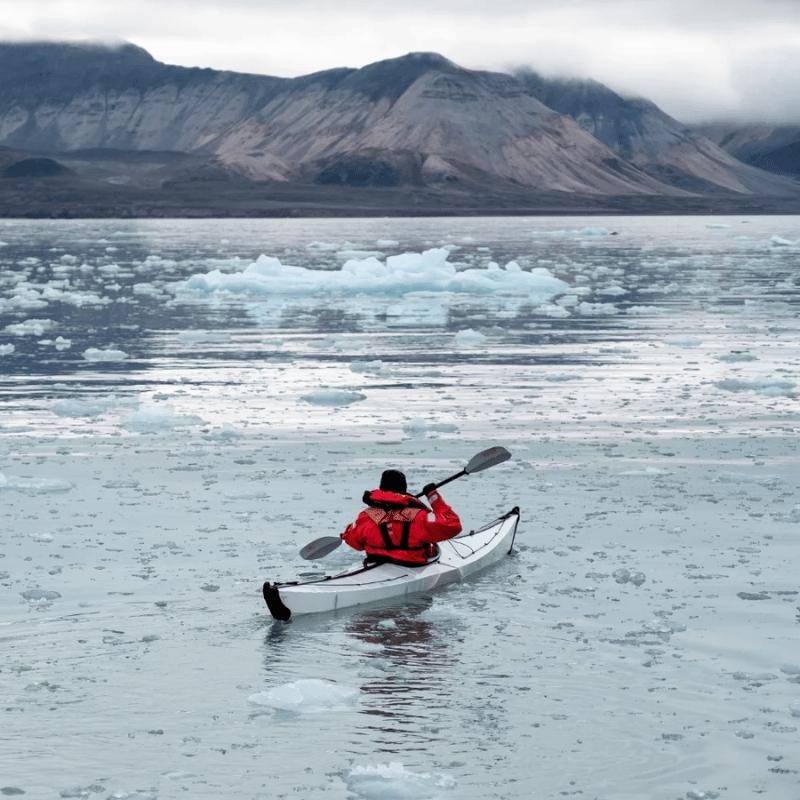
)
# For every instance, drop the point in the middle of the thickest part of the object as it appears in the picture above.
(272, 597)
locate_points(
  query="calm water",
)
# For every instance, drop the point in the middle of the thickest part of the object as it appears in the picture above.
(175, 423)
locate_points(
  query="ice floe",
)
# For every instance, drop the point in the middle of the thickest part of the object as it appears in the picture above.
(332, 397)
(375, 367)
(6, 349)
(429, 271)
(420, 427)
(769, 387)
(159, 419)
(33, 485)
(99, 355)
(307, 696)
(89, 407)
(469, 338)
(393, 781)
(30, 327)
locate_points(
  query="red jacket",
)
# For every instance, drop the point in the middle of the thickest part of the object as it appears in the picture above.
(400, 527)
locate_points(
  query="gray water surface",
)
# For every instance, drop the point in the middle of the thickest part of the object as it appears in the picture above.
(167, 444)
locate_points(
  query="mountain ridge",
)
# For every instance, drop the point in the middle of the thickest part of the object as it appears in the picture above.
(418, 120)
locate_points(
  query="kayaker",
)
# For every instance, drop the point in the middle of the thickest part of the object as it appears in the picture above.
(398, 527)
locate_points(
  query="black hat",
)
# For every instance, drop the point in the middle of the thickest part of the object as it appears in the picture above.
(393, 480)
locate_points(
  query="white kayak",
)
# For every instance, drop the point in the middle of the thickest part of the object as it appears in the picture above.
(458, 558)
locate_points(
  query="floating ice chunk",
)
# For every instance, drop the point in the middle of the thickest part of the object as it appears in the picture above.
(647, 472)
(110, 354)
(147, 290)
(332, 397)
(737, 356)
(612, 291)
(82, 792)
(24, 297)
(31, 327)
(39, 595)
(93, 407)
(469, 338)
(376, 367)
(769, 481)
(42, 537)
(322, 246)
(225, 433)
(553, 310)
(78, 299)
(394, 782)
(307, 696)
(346, 255)
(779, 241)
(3, 244)
(6, 349)
(404, 274)
(640, 311)
(382, 243)
(793, 515)
(33, 485)
(62, 344)
(139, 794)
(623, 575)
(769, 387)
(158, 419)
(596, 309)
(593, 231)
(717, 225)
(419, 427)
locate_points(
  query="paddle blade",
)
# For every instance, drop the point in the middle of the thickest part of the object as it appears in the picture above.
(320, 547)
(487, 458)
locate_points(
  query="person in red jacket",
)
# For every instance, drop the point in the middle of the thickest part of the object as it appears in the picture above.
(398, 527)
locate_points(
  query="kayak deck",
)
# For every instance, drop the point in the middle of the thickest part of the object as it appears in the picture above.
(458, 558)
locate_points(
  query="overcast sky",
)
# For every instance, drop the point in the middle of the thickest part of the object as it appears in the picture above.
(698, 59)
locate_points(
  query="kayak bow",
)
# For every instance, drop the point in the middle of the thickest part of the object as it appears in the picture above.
(458, 558)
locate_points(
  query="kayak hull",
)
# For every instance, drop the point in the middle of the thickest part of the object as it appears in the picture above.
(459, 558)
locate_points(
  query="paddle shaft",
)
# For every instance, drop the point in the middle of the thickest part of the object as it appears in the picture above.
(446, 480)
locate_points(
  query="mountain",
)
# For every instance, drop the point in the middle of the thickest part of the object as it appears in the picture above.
(642, 134)
(775, 148)
(411, 120)
(412, 133)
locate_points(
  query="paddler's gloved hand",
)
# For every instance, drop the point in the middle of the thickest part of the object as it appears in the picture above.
(429, 489)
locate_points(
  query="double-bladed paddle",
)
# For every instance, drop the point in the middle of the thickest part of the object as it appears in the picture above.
(483, 460)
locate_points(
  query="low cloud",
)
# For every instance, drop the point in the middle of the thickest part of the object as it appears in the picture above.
(699, 61)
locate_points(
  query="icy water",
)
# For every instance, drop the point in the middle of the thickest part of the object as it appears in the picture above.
(178, 416)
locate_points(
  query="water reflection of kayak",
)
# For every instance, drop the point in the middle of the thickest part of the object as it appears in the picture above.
(458, 558)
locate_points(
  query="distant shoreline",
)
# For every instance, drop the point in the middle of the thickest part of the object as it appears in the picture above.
(56, 199)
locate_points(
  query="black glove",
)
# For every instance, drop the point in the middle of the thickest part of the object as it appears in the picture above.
(429, 489)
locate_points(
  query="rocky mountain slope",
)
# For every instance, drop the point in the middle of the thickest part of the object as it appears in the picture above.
(116, 116)
(641, 133)
(775, 148)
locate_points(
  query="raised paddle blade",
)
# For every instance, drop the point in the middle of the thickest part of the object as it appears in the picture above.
(487, 458)
(320, 547)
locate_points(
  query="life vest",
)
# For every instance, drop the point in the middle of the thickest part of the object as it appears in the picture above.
(389, 520)
(393, 518)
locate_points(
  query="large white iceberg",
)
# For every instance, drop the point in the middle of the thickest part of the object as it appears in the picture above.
(429, 271)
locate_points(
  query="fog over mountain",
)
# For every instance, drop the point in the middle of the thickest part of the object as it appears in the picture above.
(115, 116)
(738, 60)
